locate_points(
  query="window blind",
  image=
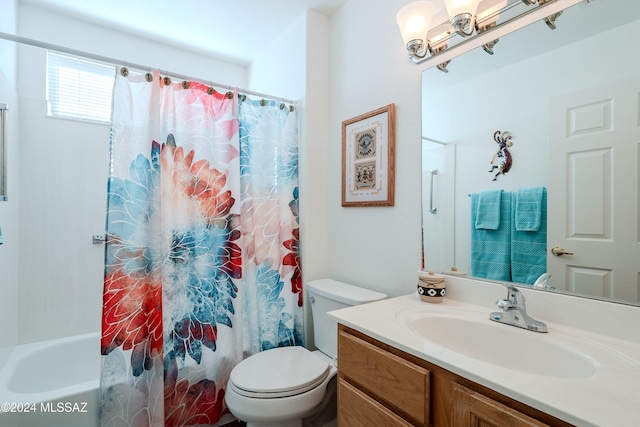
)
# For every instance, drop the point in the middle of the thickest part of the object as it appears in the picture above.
(78, 88)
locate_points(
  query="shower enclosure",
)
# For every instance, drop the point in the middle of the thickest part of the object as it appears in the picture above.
(63, 171)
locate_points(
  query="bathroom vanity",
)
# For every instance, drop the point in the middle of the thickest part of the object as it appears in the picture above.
(403, 362)
(379, 385)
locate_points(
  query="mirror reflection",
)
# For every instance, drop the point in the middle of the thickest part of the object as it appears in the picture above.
(568, 99)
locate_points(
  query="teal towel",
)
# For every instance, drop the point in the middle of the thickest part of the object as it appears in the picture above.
(528, 209)
(488, 210)
(529, 248)
(491, 249)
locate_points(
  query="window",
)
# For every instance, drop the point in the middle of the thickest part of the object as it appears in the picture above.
(78, 88)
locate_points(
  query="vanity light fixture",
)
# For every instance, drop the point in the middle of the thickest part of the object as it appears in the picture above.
(477, 28)
(414, 21)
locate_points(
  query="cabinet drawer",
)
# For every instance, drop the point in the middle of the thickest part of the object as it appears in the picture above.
(389, 378)
(356, 409)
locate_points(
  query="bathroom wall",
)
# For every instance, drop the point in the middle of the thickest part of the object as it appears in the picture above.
(378, 248)
(9, 209)
(41, 24)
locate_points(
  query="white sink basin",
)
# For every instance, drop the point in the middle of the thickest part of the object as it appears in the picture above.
(503, 345)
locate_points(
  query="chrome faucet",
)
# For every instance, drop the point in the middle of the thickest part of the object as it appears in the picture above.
(514, 312)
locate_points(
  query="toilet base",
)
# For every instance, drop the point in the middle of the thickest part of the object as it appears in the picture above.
(325, 414)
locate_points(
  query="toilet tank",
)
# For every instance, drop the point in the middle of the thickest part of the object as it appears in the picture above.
(327, 295)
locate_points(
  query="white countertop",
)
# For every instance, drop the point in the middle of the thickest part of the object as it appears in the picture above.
(609, 397)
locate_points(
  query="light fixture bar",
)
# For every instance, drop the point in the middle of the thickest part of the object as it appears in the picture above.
(526, 18)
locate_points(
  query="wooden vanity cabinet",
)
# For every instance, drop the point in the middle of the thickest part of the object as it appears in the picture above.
(374, 381)
(381, 386)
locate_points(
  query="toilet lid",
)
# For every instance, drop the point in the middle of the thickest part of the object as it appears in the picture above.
(279, 372)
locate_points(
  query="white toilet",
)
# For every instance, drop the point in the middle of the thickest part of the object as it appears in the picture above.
(281, 386)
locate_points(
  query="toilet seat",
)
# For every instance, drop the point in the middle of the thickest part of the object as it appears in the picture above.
(279, 372)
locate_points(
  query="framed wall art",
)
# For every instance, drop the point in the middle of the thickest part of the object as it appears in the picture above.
(368, 158)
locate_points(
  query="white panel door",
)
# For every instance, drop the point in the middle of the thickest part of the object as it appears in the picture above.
(593, 190)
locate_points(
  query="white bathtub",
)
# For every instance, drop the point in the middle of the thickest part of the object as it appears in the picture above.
(52, 383)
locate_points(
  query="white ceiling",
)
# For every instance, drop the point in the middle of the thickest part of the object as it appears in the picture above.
(232, 30)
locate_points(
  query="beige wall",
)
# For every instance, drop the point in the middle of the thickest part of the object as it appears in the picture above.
(378, 248)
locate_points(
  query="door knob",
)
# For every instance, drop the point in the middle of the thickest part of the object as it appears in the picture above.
(558, 251)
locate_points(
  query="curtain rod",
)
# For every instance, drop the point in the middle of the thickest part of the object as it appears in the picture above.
(57, 48)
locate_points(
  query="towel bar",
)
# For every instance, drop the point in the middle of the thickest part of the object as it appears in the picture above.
(431, 208)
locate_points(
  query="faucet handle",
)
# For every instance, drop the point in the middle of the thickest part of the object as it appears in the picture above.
(504, 304)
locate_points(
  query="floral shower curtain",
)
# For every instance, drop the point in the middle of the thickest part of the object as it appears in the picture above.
(202, 262)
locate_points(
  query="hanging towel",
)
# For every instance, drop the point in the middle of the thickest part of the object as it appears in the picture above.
(1, 238)
(528, 209)
(488, 210)
(529, 248)
(491, 249)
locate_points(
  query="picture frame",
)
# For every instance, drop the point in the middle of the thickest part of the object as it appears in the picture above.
(368, 158)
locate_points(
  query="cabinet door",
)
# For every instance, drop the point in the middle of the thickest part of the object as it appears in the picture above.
(472, 409)
(356, 409)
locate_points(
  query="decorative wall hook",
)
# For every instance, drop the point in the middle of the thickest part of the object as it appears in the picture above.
(503, 156)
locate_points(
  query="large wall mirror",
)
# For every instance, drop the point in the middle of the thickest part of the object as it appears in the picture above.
(569, 99)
